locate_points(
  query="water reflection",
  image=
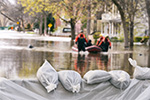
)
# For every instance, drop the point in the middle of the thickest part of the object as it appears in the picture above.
(80, 64)
(25, 62)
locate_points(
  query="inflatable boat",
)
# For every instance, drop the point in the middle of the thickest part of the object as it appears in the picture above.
(92, 48)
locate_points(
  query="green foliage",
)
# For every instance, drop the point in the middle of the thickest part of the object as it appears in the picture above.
(117, 39)
(36, 25)
(51, 19)
(96, 35)
(28, 26)
(121, 39)
(137, 39)
(114, 39)
(9, 28)
(144, 39)
(31, 32)
(84, 23)
(37, 6)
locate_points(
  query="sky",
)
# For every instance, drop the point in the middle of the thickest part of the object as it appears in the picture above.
(12, 1)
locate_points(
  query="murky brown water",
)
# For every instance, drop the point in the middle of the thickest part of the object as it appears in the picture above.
(17, 60)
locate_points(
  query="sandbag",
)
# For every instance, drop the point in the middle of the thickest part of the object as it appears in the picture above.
(96, 76)
(120, 79)
(70, 79)
(48, 76)
(141, 73)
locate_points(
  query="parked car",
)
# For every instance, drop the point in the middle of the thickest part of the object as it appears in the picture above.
(66, 30)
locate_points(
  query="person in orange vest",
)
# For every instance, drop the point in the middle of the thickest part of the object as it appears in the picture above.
(79, 35)
(81, 41)
(100, 40)
(104, 43)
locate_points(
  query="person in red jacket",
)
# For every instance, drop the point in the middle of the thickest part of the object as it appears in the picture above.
(104, 43)
(79, 35)
(100, 40)
(81, 41)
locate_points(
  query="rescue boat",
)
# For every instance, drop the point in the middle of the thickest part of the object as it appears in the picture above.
(90, 49)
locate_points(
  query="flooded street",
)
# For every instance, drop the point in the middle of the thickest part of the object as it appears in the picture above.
(17, 60)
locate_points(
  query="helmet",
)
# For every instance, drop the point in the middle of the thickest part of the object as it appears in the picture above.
(81, 31)
(106, 36)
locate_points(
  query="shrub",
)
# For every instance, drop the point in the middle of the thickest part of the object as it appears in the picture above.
(114, 39)
(144, 39)
(96, 35)
(121, 39)
(28, 26)
(137, 39)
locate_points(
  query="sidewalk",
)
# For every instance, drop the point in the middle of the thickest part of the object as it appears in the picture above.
(9, 34)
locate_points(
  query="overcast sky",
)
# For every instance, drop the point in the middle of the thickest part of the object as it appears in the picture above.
(12, 1)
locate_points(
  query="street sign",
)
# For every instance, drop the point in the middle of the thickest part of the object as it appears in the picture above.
(49, 25)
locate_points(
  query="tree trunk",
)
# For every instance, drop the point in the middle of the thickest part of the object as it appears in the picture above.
(22, 22)
(149, 31)
(148, 12)
(88, 19)
(45, 24)
(41, 24)
(123, 22)
(126, 45)
(131, 33)
(72, 23)
(19, 28)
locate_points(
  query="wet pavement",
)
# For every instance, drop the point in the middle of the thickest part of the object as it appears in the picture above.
(18, 60)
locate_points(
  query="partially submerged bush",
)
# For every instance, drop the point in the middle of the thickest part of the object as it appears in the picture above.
(137, 39)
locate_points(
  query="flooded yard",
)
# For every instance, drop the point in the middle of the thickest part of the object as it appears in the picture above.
(17, 60)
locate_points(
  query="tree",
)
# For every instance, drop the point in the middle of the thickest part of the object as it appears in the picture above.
(38, 7)
(4, 9)
(88, 17)
(131, 11)
(71, 11)
(148, 13)
(121, 5)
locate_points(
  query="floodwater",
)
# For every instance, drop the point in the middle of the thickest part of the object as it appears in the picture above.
(19, 61)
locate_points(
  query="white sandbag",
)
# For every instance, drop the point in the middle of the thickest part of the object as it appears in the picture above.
(120, 79)
(48, 76)
(141, 73)
(96, 76)
(70, 80)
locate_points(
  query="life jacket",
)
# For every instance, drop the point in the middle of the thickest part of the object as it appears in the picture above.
(100, 41)
(107, 40)
(81, 41)
(79, 35)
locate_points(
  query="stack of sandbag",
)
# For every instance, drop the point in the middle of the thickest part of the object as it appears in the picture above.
(71, 80)
(141, 73)
(118, 78)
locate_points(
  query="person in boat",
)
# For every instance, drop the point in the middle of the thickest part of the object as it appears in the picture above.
(107, 44)
(89, 43)
(81, 42)
(100, 40)
(79, 35)
(104, 43)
